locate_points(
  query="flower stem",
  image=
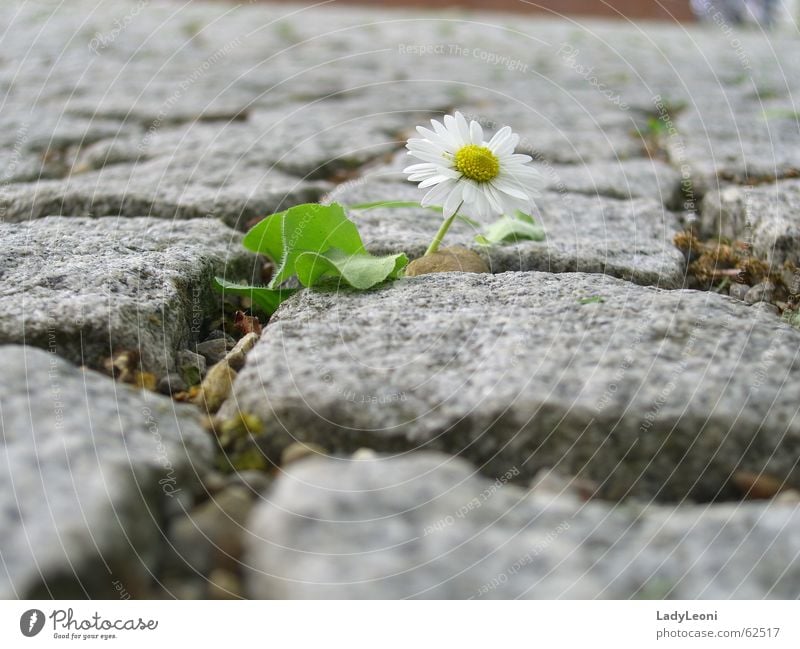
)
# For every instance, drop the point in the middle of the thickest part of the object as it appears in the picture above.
(437, 239)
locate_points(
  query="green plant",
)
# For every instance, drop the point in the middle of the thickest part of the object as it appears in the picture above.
(792, 317)
(315, 243)
(594, 299)
(510, 229)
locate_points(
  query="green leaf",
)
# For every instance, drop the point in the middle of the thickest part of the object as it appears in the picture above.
(520, 227)
(310, 227)
(594, 299)
(360, 270)
(264, 298)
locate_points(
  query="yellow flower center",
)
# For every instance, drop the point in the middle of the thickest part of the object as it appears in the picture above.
(477, 163)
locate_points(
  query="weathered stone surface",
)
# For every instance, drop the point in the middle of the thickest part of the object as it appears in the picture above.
(206, 109)
(84, 288)
(172, 384)
(213, 350)
(210, 535)
(656, 394)
(766, 216)
(191, 366)
(562, 125)
(622, 180)
(754, 142)
(738, 291)
(425, 526)
(764, 292)
(180, 187)
(628, 239)
(90, 470)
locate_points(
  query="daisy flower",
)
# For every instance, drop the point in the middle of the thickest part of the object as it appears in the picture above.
(464, 170)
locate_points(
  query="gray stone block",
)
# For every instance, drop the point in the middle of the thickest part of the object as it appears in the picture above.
(425, 526)
(655, 394)
(766, 216)
(89, 472)
(86, 288)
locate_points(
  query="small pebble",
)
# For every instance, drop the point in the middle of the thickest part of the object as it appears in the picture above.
(236, 356)
(448, 260)
(191, 366)
(738, 291)
(171, 383)
(216, 387)
(762, 292)
(210, 535)
(213, 350)
(788, 497)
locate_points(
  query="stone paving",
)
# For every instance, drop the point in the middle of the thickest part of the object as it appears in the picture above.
(580, 423)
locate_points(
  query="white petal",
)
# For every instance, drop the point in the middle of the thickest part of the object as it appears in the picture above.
(441, 156)
(444, 172)
(436, 124)
(499, 137)
(530, 182)
(450, 172)
(420, 167)
(433, 139)
(418, 142)
(517, 169)
(429, 157)
(470, 192)
(483, 209)
(452, 127)
(438, 194)
(510, 188)
(434, 180)
(415, 178)
(463, 128)
(445, 135)
(425, 145)
(521, 169)
(518, 158)
(475, 133)
(509, 145)
(494, 199)
(453, 202)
